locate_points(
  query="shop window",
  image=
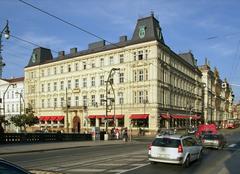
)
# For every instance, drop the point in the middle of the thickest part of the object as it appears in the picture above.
(92, 122)
(121, 122)
(140, 123)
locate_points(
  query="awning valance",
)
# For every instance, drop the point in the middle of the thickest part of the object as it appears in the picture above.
(139, 116)
(180, 116)
(51, 118)
(165, 116)
(119, 116)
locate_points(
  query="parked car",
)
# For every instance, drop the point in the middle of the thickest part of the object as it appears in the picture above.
(175, 149)
(8, 168)
(216, 141)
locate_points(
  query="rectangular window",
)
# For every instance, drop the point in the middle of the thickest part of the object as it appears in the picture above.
(43, 103)
(76, 67)
(120, 94)
(102, 99)
(121, 78)
(101, 62)
(146, 54)
(135, 96)
(111, 60)
(48, 103)
(61, 69)
(84, 100)
(84, 82)
(62, 101)
(55, 70)
(13, 108)
(101, 80)
(69, 84)
(146, 74)
(134, 56)
(12, 94)
(140, 96)
(48, 72)
(76, 83)
(93, 101)
(84, 65)
(42, 87)
(49, 87)
(55, 86)
(69, 68)
(76, 101)
(69, 101)
(62, 85)
(140, 55)
(93, 64)
(121, 58)
(93, 81)
(140, 75)
(135, 76)
(55, 102)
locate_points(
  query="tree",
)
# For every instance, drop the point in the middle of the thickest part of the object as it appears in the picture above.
(24, 120)
(3, 122)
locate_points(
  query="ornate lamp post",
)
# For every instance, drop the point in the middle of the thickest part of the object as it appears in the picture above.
(6, 33)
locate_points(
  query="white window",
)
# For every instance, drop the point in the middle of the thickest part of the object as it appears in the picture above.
(121, 77)
(135, 97)
(43, 103)
(102, 99)
(140, 77)
(84, 82)
(111, 60)
(135, 76)
(140, 96)
(93, 81)
(61, 69)
(120, 94)
(55, 86)
(146, 54)
(48, 103)
(69, 68)
(121, 58)
(55, 102)
(69, 84)
(84, 100)
(93, 64)
(48, 72)
(84, 65)
(49, 87)
(101, 80)
(55, 70)
(76, 83)
(93, 101)
(134, 56)
(62, 101)
(69, 100)
(62, 85)
(140, 55)
(76, 101)
(146, 74)
(76, 67)
(101, 62)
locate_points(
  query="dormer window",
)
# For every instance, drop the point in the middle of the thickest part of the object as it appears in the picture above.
(140, 55)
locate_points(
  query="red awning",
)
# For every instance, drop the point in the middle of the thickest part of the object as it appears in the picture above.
(139, 116)
(180, 116)
(196, 117)
(120, 116)
(51, 118)
(92, 116)
(100, 116)
(166, 116)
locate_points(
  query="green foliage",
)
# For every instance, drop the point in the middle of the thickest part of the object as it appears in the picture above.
(24, 120)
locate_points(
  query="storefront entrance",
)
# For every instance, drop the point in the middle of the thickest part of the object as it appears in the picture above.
(76, 124)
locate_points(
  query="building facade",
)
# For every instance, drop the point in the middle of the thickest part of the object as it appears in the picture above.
(12, 100)
(218, 96)
(154, 87)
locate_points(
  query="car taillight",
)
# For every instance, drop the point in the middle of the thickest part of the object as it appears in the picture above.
(180, 148)
(149, 146)
(203, 141)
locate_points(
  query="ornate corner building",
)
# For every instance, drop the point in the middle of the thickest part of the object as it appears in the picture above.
(155, 87)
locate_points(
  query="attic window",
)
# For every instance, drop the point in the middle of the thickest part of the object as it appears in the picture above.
(140, 55)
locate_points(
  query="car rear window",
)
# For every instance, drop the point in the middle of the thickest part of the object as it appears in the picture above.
(211, 137)
(166, 142)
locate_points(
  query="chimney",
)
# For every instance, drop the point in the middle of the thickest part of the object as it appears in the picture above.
(61, 53)
(73, 50)
(123, 38)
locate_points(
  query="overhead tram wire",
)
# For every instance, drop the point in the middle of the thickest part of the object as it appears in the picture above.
(29, 42)
(68, 23)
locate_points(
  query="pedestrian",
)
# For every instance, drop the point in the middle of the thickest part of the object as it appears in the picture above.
(117, 133)
(125, 135)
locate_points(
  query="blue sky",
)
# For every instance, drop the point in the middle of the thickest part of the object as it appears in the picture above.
(186, 25)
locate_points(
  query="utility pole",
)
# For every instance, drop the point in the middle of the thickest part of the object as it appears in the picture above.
(67, 110)
(6, 33)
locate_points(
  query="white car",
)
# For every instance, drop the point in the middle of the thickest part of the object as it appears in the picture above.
(176, 149)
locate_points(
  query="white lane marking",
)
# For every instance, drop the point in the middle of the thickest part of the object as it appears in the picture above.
(111, 164)
(86, 170)
(232, 145)
(116, 171)
(134, 168)
(136, 164)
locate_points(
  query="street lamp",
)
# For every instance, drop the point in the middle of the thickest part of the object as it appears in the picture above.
(21, 97)
(110, 81)
(6, 33)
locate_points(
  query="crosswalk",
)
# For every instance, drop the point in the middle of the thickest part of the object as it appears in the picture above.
(116, 164)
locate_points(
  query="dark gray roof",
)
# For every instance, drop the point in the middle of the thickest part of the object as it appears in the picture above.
(188, 57)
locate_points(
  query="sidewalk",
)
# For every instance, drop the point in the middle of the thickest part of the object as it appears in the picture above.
(23, 148)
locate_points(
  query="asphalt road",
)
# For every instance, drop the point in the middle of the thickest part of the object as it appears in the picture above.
(129, 159)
